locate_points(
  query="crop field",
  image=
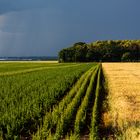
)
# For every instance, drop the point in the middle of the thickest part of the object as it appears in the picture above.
(123, 116)
(69, 101)
(43, 101)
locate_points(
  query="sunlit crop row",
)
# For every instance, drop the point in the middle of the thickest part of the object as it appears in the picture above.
(78, 109)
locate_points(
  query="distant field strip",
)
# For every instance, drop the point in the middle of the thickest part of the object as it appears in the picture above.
(123, 99)
(20, 65)
(25, 98)
(28, 69)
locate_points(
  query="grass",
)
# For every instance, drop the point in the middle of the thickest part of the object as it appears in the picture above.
(123, 116)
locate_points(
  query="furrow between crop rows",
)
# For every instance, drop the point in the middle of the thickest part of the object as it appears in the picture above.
(51, 118)
(83, 115)
(70, 112)
(95, 120)
(77, 116)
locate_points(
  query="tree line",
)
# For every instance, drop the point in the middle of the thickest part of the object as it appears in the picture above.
(102, 51)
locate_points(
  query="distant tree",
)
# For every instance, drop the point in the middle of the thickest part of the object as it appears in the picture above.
(62, 57)
(108, 50)
(79, 44)
(126, 57)
(135, 51)
(80, 53)
(90, 56)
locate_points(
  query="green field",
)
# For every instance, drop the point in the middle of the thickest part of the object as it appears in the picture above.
(49, 100)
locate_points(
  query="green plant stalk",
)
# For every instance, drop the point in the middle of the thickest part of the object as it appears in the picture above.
(94, 131)
(51, 118)
(71, 109)
(82, 112)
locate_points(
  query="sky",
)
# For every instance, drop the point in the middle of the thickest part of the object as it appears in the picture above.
(44, 27)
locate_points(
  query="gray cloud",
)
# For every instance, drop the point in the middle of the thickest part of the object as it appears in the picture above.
(43, 27)
(19, 5)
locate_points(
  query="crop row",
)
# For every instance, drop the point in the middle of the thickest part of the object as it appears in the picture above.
(82, 118)
(80, 121)
(95, 120)
(25, 98)
(51, 119)
(66, 117)
(95, 124)
(70, 118)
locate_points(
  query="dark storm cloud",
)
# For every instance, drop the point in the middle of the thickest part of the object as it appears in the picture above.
(18, 5)
(43, 27)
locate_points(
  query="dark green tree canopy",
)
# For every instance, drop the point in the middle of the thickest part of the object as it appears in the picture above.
(106, 51)
(126, 57)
